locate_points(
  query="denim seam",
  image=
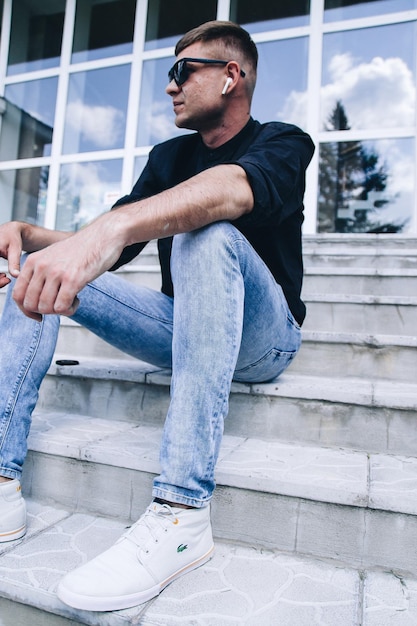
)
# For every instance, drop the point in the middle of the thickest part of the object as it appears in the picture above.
(129, 306)
(224, 391)
(11, 404)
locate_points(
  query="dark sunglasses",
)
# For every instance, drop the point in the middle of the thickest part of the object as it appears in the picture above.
(180, 72)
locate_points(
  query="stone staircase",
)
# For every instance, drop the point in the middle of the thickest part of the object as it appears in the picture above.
(315, 513)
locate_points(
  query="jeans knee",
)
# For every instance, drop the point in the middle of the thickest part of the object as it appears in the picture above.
(203, 246)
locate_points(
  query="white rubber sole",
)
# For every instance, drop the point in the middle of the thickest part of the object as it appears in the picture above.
(90, 603)
(12, 535)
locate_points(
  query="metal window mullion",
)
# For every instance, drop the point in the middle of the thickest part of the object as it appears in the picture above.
(413, 226)
(315, 48)
(385, 19)
(5, 42)
(61, 102)
(4, 47)
(134, 96)
(223, 10)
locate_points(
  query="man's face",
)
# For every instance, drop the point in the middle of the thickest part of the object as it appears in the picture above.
(198, 102)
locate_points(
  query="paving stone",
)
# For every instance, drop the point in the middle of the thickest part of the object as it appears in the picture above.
(389, 600)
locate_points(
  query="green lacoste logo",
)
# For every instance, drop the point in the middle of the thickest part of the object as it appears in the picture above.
(181, 547)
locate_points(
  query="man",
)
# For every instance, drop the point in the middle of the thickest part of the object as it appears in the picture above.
(226, 206)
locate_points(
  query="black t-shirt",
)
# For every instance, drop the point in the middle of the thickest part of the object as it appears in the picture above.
(275, 157)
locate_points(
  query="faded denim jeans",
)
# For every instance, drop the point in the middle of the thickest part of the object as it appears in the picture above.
(228, 320)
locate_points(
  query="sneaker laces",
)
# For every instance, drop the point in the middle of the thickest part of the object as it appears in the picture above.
(156, 519)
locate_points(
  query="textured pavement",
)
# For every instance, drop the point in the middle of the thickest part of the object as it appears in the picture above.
(240, 585)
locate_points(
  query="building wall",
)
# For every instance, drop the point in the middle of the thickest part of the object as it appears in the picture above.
(82, 85)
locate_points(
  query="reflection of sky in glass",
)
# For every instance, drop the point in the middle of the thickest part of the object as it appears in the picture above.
(372, 72)
(156, 116)
(396, 156)
(140, 163)
(36, 97)
(101, 53)
(96, 109)
(86, 190)
(23, 194)
(282, 71)
(289, 22)
(365, 9)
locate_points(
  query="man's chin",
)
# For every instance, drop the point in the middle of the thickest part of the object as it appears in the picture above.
(184, 123)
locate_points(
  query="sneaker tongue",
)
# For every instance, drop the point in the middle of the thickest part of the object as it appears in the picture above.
(164, 510)
(149, 524)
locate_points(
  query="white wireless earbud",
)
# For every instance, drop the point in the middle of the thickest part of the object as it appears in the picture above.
(227, 84)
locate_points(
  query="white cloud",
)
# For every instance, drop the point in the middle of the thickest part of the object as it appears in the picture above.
(102, 125)
(156, 123)
(161, 120)
(375, 94)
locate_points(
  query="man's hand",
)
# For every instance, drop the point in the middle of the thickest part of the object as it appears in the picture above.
(10, 249)
(51, 278)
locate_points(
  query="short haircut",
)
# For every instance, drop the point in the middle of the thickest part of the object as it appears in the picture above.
(230, 35)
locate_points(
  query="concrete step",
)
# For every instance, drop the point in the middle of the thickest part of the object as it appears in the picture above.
(328, 279)
(329, 503)
(240, 585)
(361, 281)
(358, 413)
(372, 251)
(354, 355)
(102, 451)
(364, 314)
(331, 354)
(105, 468)
(339, 251)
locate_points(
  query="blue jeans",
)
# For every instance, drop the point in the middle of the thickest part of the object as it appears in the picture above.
(229, 320)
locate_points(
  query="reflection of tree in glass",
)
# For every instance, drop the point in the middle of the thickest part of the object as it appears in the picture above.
(352, 183)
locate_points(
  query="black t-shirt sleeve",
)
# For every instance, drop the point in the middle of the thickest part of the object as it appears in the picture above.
(275, 164)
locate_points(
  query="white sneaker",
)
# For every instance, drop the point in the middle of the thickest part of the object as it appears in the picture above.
(165, 543)
(12, 511)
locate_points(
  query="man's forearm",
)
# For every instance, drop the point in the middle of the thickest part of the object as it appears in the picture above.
(36, 237)
(220, 193)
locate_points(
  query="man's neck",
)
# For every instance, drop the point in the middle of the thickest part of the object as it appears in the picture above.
(216, 137)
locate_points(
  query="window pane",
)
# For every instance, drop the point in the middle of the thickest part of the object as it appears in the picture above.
(27, 123)
(140, 163)
(366, 186)
(168, 20)
(372, 73)
(23, 195)
(103, 29)
(156, 116)
(281, 90)
(96, 110)
(36, 35)
(86, 190)
(266, 15)
(349, 9)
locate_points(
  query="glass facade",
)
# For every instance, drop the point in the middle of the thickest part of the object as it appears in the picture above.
(82, 101)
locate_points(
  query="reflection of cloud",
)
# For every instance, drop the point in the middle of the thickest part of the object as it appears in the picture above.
(156, 123)
(84, 174)
(102, 125)
(400, 164)
(161, 121)
(378, 93)
(90, 185)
